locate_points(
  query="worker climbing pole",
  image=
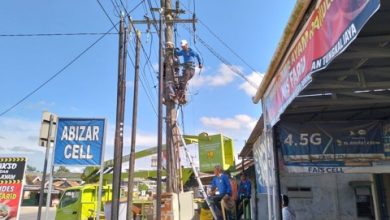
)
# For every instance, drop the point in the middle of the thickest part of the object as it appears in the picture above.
(171, 85)
(188, 70)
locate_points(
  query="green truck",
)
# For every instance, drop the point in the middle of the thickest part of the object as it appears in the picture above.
(80, 202)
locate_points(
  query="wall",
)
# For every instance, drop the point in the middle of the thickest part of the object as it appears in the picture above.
(331, 196)
(386, 184)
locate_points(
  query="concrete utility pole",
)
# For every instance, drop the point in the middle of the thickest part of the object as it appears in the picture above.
(130, 185)
(43, 181)
(168, 17)
(172, 184)
(160, 113)
(120, 115)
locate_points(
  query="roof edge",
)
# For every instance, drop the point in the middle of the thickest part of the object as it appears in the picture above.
(289, 32)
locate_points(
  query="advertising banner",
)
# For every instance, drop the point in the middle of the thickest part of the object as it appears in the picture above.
(210, 153)
(79, 141)
(335, 147)
(332, 26)
(263, 164)
(11, 186)
(337, 140)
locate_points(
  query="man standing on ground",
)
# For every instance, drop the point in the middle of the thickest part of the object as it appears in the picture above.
(220, 189)
(287, 212)
(244, 194)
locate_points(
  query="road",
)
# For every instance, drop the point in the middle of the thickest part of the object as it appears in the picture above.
(30, 213)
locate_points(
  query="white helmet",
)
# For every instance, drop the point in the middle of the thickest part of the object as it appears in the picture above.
(184, 42)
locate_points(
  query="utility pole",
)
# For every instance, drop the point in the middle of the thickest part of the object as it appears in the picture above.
(168, 17)
(160, 112)
(171, 132)
(130, 185)
(120, 113)
(43, 181)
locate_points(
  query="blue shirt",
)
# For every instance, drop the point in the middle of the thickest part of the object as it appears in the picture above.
(222, 184)
(188, 55)
(244, 189)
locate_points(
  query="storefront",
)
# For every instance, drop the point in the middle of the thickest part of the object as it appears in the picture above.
(326, 109)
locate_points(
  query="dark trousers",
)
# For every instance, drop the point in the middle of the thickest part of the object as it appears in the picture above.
(188, 73)
(217, 205)
(241, 203)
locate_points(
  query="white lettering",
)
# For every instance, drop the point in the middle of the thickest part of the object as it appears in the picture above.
(96, 133)
(8, 166)
(64, 135)
(75, 151)
(80, 133)
(78, 152)
(72, 134)
(67, 154)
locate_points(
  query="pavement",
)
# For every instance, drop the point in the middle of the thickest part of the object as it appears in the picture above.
(30, 213)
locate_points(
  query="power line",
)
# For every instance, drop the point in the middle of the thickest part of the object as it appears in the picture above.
(59, 34)
(54, 34)
(56, 74)
(105, 12)
(221, 58)
(222, 42)
(132, 62)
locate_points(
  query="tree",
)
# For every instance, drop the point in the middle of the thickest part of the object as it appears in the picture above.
(63, 169)
(143, 187)
(31, 168)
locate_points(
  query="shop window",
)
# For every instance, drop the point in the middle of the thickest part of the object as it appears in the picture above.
(300, 192)
(364, 202)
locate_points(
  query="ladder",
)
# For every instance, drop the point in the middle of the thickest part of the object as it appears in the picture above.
(196, 173)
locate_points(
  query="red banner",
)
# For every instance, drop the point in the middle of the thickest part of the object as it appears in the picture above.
(332, 26)
(11, 186)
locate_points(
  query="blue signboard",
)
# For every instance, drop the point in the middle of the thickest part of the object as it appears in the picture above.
(79, 141)
(331, 141)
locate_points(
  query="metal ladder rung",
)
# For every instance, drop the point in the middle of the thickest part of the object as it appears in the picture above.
(196, 173)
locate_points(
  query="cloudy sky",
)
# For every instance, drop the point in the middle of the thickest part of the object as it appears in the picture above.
(244, 34)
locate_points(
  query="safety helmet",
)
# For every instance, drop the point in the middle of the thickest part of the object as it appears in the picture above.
(184, 42)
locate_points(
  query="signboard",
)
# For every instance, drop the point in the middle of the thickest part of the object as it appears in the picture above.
(335, 147)
(386, 139)
(263, 164)
(332, 26)
(215, 150)
(79, 141)
(324, 141)
(11, 186)
(210, 153)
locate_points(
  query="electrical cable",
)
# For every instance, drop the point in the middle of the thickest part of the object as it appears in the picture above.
(54, 34)
(222, 59)
(59, 34)
(105, 12)
(56, 74)
(143, 83)
(223, 42)
(131, 60)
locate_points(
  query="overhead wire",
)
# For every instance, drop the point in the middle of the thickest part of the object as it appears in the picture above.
(60, 34)
(132, 62)
(221, 58)
(56, 74)
(143, 81)
(54, 34)
(222, 41)
(105, 12)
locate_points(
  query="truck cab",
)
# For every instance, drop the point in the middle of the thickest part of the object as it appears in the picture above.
(80, 202)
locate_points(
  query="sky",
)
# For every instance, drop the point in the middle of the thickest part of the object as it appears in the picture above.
(243, 34)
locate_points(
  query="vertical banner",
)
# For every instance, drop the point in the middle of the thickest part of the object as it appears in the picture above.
(329, 30)
(11, 186)
(79, 141)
